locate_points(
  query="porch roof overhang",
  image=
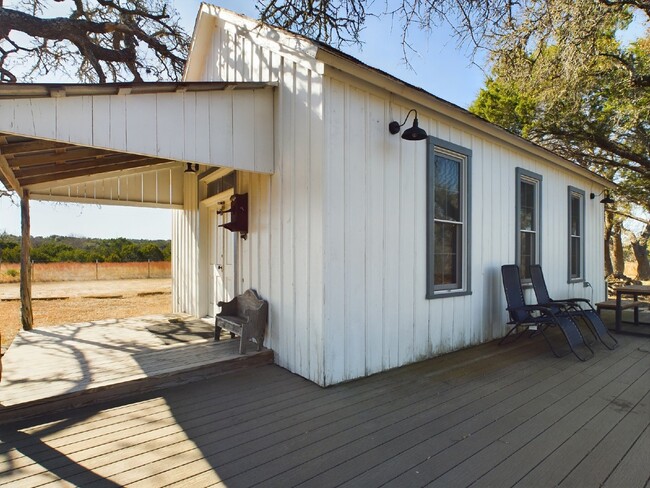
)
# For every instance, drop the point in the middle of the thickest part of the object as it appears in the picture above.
(54, 133)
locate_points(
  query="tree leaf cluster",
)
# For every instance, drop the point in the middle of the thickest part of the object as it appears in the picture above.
(569, 84)
(54, 249)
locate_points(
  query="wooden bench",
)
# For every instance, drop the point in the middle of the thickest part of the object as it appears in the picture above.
(625, 305)
(246, 315)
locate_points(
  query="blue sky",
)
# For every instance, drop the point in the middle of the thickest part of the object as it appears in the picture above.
(440, 67)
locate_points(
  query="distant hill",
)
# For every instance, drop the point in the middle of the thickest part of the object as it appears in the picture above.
(55, 249)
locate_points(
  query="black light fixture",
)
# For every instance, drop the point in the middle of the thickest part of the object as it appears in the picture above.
(606, 199)
(411, 134)
(191, 167)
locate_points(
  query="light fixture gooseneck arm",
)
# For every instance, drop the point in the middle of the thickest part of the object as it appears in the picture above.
(395, 126)
(414, 133)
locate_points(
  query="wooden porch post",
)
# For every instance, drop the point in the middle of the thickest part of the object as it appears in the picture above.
(25, 271)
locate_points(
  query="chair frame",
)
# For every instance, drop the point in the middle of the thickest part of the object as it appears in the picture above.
(572, 306)
(542, 317)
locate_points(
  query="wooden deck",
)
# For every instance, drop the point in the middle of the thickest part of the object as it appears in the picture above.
(68, 366)
(486, 416)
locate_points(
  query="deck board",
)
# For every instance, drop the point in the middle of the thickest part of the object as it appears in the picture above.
(530, 421)
(463, 433)
(327, 428)
(75, 364)
(557, 464)
(625, 473)
(491, 416)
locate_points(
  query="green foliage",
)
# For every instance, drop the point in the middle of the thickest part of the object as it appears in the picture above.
(55, 249)
(9, 249)
(502, 104)
(586, 98)
(12, 272)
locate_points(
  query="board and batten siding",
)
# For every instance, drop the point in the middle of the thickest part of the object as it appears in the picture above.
(232, 127)
(282, 257)
(186, 262)
(376, 316)
(337, 234)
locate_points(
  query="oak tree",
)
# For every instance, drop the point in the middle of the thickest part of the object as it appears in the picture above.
(91, 40)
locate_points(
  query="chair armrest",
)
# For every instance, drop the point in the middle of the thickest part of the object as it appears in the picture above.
(577, 302)
(532, 308)
(228, 308)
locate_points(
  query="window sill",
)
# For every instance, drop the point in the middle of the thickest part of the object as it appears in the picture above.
(451, 294)
(575, 280)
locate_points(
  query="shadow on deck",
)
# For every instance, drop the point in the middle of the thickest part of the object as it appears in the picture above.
(484, 416)
(65, 367)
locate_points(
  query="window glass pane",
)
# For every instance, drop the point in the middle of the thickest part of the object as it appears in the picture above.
(575, 215)
(576, 244)
(447, 189)
(527, 253)
(447, 253)
(575, 257)
(527, 209)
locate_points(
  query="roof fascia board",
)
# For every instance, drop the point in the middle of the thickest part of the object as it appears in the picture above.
(452, 112)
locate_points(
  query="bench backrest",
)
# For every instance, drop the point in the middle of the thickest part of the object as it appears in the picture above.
(248, 300)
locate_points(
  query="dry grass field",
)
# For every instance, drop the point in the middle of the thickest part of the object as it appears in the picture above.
(62, 308)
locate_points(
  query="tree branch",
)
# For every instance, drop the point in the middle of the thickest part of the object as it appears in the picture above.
(107, 35)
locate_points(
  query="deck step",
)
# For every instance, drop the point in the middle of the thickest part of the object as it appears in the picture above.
(167, 372)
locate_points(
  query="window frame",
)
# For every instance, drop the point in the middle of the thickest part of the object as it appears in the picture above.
(524, 175)
(435, 147)
(576, 192)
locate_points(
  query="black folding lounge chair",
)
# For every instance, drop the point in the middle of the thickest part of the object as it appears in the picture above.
(523, 317)
(578, 307)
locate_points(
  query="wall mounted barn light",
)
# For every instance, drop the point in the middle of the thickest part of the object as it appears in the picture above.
(411, 134)
(191, 167)
(606, 199)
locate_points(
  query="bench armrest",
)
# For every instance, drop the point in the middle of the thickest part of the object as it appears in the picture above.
(228, 308)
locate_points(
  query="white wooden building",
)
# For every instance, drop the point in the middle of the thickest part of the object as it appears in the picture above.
(373, 251)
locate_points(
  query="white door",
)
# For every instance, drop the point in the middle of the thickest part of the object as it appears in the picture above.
(222, 258)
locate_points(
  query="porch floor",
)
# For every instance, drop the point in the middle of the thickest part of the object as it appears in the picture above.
(68, 366)
(485, 416)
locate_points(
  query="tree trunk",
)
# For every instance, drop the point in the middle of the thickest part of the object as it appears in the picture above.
(640, 249)
(25, 268)
(617, 251)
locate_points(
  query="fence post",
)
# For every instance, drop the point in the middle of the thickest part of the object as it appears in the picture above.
(96, 269)
(148, 268)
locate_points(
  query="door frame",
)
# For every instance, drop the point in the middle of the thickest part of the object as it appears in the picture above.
(211, 204)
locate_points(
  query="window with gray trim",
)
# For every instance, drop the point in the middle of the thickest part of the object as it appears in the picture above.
(448, 204)
(576, 234)
(528, 220)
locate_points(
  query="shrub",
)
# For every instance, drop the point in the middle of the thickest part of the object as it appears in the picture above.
(12, 272)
